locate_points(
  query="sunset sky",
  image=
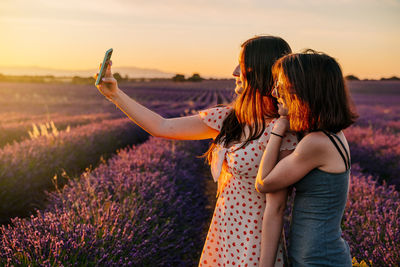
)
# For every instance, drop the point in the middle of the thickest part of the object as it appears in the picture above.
(184, 36)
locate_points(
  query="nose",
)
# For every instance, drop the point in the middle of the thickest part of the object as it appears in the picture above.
(236, 71)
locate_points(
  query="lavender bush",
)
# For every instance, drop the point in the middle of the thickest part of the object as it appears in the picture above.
(17, 130)
(376, 151)
(72, 105)
(27, 168)
(371, 223)
(144, 208)
(379, 117)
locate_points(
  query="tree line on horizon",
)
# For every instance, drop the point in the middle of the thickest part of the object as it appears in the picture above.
(196, 77)
(355, 78)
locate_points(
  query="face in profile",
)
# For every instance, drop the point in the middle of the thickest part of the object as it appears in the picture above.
(239, 84)
(237, 73)
(282, 105)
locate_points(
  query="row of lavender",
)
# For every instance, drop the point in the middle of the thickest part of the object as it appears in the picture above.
(371, 222)
(17, 129)
(375, 138)
(14, 127)
(27, 168)
(146, 207)
(377, 151)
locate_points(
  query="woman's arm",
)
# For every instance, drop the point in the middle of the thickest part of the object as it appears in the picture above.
(272, 225)
(309, 154)
(185, 128)
(271, 152)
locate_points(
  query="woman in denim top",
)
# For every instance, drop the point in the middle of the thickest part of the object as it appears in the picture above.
(314, 102)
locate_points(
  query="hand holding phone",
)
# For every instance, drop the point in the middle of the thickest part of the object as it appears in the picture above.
(104, 66)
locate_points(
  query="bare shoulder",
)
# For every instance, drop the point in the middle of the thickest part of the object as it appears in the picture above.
(314, 142)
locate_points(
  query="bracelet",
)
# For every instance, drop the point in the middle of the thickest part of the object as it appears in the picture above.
(281, 136)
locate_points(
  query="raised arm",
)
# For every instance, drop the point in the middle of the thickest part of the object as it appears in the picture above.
(184, 128)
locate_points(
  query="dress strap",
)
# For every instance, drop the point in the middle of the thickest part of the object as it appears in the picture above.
(346, 163)
(344, 148)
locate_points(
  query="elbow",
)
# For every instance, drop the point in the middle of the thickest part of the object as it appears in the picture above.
(262, 186)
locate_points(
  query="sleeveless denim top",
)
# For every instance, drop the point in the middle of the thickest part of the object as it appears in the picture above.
(315, 234)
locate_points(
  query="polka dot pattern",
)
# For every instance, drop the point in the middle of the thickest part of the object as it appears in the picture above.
(234, 236)
(214, 117)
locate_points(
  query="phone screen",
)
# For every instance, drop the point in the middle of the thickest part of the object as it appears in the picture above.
(104, 65)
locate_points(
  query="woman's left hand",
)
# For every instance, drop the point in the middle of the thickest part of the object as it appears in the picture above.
(282, 109)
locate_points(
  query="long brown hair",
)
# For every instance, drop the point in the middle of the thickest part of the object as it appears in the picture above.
(315, 92)
(256, 102)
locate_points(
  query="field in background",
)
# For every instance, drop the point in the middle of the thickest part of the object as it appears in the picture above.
(77, 128)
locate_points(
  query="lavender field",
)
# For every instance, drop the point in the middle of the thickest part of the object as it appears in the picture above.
(81, 185)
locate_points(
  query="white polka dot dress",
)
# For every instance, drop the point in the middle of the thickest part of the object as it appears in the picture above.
(234, 236)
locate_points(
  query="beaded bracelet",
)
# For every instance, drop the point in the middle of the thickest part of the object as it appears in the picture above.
(281, 136)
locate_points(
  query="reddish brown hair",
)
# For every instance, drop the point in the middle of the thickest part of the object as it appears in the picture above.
(314, 89)
(256, 102)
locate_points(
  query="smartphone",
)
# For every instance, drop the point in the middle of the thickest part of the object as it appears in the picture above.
(104, 66)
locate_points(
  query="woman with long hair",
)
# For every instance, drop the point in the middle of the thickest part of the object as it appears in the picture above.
(240, 131)
(313, 101)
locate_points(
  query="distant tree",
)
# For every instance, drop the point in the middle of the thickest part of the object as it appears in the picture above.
(118, 76)
(82, 80)
(393, 78)
(178, 78)
(352, 78)
(195, 78)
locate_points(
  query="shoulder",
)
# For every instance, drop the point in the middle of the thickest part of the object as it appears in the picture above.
(216, 111)
(312, 145)
(214, 117)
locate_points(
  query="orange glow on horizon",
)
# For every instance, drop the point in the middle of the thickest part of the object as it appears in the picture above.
(188, 38)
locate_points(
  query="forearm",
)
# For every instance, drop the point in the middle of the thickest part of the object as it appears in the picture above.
(272, 227)
(150, 121)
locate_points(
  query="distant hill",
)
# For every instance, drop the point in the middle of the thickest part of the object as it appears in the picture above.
(132, 72)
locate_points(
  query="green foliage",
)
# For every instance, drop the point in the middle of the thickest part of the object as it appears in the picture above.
(118, 77)
(181, 78)
(352, 78)
(178, 78)
(83, 80)
(195, 78)
(393, 78)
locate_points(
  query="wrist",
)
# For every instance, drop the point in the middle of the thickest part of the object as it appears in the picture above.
(281, 126)
(276, 134)
(279, 130)
(116, 97)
